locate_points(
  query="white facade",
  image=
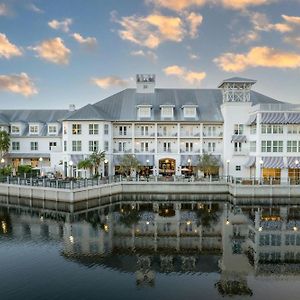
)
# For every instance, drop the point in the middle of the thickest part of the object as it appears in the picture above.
(249, 134)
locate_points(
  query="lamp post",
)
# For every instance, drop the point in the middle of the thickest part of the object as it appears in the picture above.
(147, 161)
(296, 170)
(261, 162)
(189, 164)
(71, 168)
(2, 161)
(105, 167)
(41, 165)
(227, 163)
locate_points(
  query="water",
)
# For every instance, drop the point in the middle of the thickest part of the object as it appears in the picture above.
(150, 247)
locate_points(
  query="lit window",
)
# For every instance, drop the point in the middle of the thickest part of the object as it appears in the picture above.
(76, 129)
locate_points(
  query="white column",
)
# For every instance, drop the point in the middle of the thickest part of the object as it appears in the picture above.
(258, 173)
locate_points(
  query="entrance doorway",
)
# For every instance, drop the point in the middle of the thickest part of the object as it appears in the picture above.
(167, 166)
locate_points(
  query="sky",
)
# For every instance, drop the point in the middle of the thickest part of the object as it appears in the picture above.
(59, 52)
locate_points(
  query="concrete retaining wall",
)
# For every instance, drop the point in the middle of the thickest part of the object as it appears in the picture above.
(96, 192)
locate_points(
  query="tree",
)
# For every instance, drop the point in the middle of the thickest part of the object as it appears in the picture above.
(128, 163)
(97, 158)
(4, 142)
(208, 164)
(86, 164)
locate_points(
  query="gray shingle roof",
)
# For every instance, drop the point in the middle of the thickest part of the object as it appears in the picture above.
(123, 105)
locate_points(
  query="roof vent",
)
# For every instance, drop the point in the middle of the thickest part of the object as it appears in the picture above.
(72, 107)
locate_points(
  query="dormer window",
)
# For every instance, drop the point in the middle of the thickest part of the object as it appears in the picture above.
(167, 111)
(52, 129)
(189, 111)
(15, 129)
(33, 129)
(144, 111)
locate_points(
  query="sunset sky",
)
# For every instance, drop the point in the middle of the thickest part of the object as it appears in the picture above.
(57, 52)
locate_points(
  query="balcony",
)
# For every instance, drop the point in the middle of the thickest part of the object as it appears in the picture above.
(214, 135)
(122, 151)
(189, 134)
(144, 151)
(240, 152)
(190, 151)
(144, 136)
(167, 134)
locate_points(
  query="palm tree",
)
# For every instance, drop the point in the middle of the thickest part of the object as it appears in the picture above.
(86, 164)
(208, 164)
(128, 163)
(97, 158)
(4, 142)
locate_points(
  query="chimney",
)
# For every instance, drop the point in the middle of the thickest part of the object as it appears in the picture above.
(72, 107)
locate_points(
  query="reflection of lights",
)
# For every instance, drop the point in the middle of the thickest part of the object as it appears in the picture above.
(295, 228)
(137, 230)
(188, 223)
(196, 230)
(71, 238)
(166, 211)
(260, 228)
(42, 218)
(4, 227)
(132, 206)
(147, 222)
(122, 210)
(227, 222)
(106, 227)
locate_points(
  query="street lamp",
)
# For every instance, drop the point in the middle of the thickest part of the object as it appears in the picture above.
(227, 162)
(147, 161)
(296, 178)
(189, 163)
(71, 168)
(41, 165)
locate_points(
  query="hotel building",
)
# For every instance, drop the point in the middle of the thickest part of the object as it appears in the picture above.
(250, 135)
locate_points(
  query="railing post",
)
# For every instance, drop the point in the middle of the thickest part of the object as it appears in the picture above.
(71, 184)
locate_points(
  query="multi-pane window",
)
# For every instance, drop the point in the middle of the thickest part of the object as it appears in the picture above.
(165, 130)
(167, 146)
(237, 147)
(76, 129)
(144, 112)
(189, 112)
(293, 129)
(15, 146)
(65, 146)
(167, 112)
(238, 129)
(122, 130)
(253, 129)
(51, 145)
(277, 146)
(264, 240)
(76, 146)
(122, 146)
(93, 129)
(292, 146)
(144, 130)
(93, 146)
(52, 129)
(106, 129)
(275, 239)
(238, 168)
(144, 147)
(253, 146)
(211, 146)
(268, 128)
(266, 146)
(33, 129)
(211, 131)
(106, 146)
(15, 129)
(189, 147)
(34, 146)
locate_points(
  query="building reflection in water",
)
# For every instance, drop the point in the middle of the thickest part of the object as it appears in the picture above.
(147, 238)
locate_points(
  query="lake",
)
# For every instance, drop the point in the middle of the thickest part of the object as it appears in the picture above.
(149, 247)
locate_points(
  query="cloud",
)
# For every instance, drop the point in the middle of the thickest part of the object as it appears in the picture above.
(148, 54)
(18, 83)
(89, 42)
(246, 37)
(109, 81)
(4, 11)
(190, 76)
(293, 40)
(7, 49)
(35, 9)
(181, 5)
(53, 50)
(152, 30)
(243, 4)
(261, 22)
(63, 25)
(177, 5)
(195, 21)
(258, 57)
(291, 19)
